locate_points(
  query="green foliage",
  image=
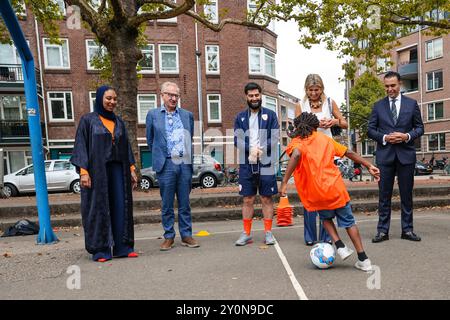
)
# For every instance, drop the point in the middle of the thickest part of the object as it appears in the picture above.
(367, 90)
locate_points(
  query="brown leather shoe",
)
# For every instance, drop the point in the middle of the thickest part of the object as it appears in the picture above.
(166, 245)
(189, 242)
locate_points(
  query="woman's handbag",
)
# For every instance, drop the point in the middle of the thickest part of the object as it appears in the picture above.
(335, 130)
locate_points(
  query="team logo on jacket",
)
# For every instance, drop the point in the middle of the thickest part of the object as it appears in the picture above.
(264, 117)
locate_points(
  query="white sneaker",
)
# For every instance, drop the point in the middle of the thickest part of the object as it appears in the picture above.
(365, 265)
(344, 252)
(243, 239)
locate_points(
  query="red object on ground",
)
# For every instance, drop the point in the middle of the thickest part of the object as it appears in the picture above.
(133, 255)
(284, 213)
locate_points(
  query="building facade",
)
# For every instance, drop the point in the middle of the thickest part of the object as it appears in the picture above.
(66, 78)
(423, 61)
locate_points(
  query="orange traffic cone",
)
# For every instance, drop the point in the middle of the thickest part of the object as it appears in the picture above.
(284, 213)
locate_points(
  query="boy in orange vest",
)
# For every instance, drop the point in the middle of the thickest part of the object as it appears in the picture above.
(320, 185)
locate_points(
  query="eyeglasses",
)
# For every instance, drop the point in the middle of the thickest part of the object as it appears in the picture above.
(172, 95)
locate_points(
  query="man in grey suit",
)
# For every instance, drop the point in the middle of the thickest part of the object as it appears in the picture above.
(170, 131)
(394, 124)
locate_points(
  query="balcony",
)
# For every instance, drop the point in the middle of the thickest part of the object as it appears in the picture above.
(15, 131)
(408, 70)
(12, 78)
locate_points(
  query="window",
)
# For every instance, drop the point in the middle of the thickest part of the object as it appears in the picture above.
(16, 160)
(61, 6)
(435, 111)
(261, 61)
(436, 142)
(170, 20)
(146, 102)
(13, 108)
(362, 68)
(60, 106)
(214, 108)
(93, 50)
(9, 54)
(61, 165)
(211, 11)
(382, 65)
(147, 63)
(434, 49)
(212, 59)
(270, 103)
(285, 141)
(56, 56)
(91, 100)
(252, 7)
(283, 112)
(368, 147)
(435, 80)
(168, 58)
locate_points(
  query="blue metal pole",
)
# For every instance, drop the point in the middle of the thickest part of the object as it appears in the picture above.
(46, 234)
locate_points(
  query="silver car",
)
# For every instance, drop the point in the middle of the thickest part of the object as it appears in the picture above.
(207, 172)
(60, 174)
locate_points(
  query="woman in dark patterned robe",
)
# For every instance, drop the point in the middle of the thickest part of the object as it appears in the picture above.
(103, 158)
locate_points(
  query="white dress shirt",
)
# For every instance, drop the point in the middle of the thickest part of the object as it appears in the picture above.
(398, 102)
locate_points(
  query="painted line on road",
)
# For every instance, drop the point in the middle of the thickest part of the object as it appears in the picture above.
(297, 287)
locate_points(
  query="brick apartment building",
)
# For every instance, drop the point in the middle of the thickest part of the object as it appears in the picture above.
(65, 78)
(423, 61)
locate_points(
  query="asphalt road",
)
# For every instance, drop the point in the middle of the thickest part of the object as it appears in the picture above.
(219, 270)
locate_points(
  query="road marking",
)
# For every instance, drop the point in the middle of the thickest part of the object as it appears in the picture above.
(297, 287)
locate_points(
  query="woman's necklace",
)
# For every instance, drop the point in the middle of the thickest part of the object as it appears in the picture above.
(316, 104)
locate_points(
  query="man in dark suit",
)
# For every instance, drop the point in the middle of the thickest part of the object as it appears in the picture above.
(394, 124)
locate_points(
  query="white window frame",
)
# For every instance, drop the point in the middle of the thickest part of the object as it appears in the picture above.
(262, 61)
(427, 55)
(154, 95)
(365, 147)
(59, 3)
(382, 63)
(160, 53)
(434, 78)
(208, 71)
(92, 100)
(88, 58)
(438, 142)
(433, 104)
(45, 46)
(213, 9)
(209, 101)
(49, 103)
(153, 58)
(264, 102)
(22, 111)
(15, 58)
(170, 20)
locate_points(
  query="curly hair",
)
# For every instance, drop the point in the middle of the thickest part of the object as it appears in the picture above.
(305, 124)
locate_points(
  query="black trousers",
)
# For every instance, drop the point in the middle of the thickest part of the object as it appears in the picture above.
(405, 174)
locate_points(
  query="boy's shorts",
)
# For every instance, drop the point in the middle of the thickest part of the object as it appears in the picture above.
(250, 184)
(344, 216)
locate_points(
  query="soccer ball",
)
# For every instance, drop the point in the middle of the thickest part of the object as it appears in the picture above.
(323, 255)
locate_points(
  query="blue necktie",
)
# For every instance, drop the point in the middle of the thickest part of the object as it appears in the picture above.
(394, 111)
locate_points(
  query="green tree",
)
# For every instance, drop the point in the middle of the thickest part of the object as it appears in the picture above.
(367, 90)
(119, 27)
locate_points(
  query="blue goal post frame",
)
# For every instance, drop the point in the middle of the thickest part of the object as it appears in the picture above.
(46, 235)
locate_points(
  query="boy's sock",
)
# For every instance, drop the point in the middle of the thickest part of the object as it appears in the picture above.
(339, 244)
(247, 226)
(267, 225)
(362, 256)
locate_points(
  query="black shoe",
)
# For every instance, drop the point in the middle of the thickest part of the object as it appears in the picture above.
(309, 243)
(410, 236)
(380, 237)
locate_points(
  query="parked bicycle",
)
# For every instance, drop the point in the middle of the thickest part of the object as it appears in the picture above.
(231, 176)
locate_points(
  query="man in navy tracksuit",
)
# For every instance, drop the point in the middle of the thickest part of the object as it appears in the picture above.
(256, 135)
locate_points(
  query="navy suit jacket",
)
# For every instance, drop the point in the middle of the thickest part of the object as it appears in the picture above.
(381, 123)
(269, 137)
(157, 140)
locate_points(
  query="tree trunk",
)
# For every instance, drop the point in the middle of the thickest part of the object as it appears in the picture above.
(125, 55)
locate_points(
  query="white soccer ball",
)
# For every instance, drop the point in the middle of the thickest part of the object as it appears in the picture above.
(323, 255)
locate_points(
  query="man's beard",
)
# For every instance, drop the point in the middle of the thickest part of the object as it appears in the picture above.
(255, 105)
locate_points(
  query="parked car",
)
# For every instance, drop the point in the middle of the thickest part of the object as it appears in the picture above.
(60, 174)
(207, 173)
(422, 168)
